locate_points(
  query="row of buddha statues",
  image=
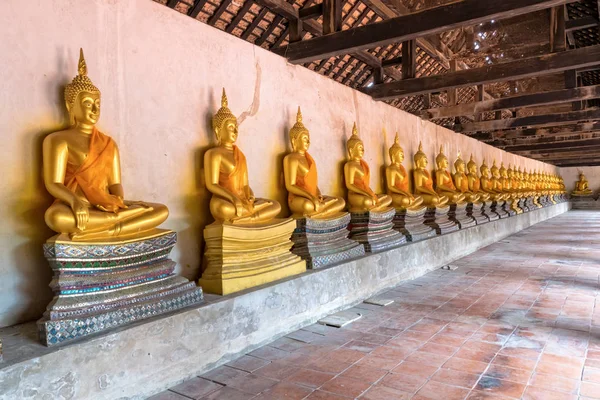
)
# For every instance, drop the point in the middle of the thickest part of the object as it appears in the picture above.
(247, 245)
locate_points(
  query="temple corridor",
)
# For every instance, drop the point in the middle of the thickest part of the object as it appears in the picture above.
(516, 319)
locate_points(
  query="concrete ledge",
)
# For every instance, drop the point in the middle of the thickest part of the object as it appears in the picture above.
(143, 359)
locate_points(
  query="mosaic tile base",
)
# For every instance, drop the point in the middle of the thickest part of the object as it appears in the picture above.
(99, 286)
(475, 211)
(374, 230)
(438, 219)
(487, 210)
(411, 223)
(323, 242)
(499, 208)
(508, 207)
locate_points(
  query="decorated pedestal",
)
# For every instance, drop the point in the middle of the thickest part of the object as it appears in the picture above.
(103, 285)
(324, 241)
(238, 257)
(529, 203)
(458, 214)
(438, 219)
(411, 223)
(508, 207)
(488, 211)
(475, 211)
(500, 210)
(584, 203)
(374, 230)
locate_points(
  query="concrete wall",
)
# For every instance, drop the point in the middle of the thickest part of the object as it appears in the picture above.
(571, 175)
(157, 354)
(161, 73)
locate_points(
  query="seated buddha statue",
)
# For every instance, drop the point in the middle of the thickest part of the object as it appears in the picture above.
(424, 182)
(581, 186)
(487, 185)
(504, 181)
(462, 182)
(300, 173)
(495, 179)
(357, 175)
(443, 180)
(397, 180)
(82, 171)
(226, 175)
(474, 181)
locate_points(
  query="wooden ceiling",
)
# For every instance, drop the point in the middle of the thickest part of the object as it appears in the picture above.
(521, 75)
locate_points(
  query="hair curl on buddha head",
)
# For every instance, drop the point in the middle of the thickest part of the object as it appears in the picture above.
(441, 156)
(298, 128)
(224, 114)
(458, 161)
(396, 148)
(81, 83)
(471, 163)
(353, 141)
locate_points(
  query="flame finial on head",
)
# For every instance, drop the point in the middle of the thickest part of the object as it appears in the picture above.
(396, 146)
(81, 83)
(223, 114)
(354, 139)
(471, 163)
(298, 127)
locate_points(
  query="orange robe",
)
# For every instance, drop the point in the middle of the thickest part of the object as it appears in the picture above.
(476, 185)
(309, 181)
(403, 184)
(429, 183)
(92, 175)
(234, 180)
(363, 183)
(464, 186)
(448, 186)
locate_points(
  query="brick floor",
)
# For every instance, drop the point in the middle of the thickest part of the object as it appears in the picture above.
(516, 319)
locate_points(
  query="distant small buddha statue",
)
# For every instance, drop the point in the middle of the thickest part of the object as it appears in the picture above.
(397, 180)
(582, 186)
(424, 183)
(461, 181)
(300, 173)
(443, 180)
(361, 197)
(226, 175)
(504, 181)
(487, 183)
(474, 181)
(82, 171)
(496, 182)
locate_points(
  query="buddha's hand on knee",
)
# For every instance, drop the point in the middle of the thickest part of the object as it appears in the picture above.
(82, 214)
(137, 203)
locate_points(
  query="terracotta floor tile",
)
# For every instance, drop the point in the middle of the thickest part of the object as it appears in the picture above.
(566, 371)
(227, 393)
(382, 330)
(476, 355)
(435, 360)
(269, 353)
(436, 390)
(535, 393)
(440, 349)
(508, 374)
(285, 390)
(456, 378)
(470, 366)
(360, 345)
(321, 395)
(252, 384)
(248, 363)
(196, 387)
(529, 354)
(591, 374)
(404, 383)
(310, 378)
(415, 369)
(378, 362)
(555, 383)
(448, 340)
(490, 384)
(224, 375)
(326, 364)
(276, 370)
(346, 355)
(346, 386)
(366, 374)
(479, 395)
(514, 362)
(168, 395)
(374, 338)
(379, 392)
(589, 389)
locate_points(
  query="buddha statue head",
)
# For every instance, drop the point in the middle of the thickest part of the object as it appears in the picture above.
(355, 146)
(299, 135)
(225, 124)
(472, 166)
(503, 171)
(485, 171)
(441, 160)
(495, 171)
(459, 164)
(509, 172)
(420, 159)
(396, 151)
(82, 98)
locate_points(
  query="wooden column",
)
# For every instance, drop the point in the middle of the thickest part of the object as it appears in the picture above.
(409, 66)
(332, 16)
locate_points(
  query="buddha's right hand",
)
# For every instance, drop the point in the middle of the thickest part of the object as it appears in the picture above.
(82, 214)
(239, 207)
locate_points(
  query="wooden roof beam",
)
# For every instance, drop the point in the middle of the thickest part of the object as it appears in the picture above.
(527, 100)
(412, 26)
(512, 70)
(581, 23)
(533, 120)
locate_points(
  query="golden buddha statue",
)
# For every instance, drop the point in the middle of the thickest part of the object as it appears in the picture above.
(398, 180)
(226, 175)
(581, 186)
(300, 172)
(504, 181)
(443, 180)
(424, 183)
(462, 182)
(361, 197)
(474, 181)
(487, 184)
(82, 171)
(496, 182)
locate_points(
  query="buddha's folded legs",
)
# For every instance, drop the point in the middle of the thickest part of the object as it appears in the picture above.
(132, 220)
(434, 201)
(401, 201)
(223, 210)
(301, 206)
